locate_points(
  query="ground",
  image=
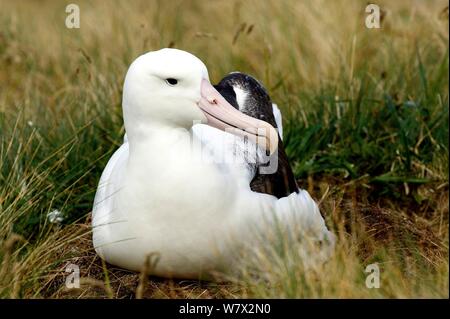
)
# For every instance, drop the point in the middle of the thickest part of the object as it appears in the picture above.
(366, 129)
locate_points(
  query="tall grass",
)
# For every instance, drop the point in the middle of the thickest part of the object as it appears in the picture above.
(365, 111)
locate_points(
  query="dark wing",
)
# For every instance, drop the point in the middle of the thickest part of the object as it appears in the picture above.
(254, 101)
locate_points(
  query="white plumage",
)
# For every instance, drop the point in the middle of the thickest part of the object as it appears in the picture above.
(167, 190)
(278, 119)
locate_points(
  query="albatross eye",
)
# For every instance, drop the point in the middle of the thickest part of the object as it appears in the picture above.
(172, 81)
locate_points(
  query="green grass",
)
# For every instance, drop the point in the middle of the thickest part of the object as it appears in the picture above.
(366, 130)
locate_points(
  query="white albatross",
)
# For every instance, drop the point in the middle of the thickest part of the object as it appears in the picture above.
(161, 192)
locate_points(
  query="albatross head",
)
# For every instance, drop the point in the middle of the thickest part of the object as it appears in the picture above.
(171, 88)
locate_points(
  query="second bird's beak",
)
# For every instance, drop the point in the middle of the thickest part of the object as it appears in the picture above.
(222, 115)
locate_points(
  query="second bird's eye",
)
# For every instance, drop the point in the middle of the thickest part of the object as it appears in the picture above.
(171, 81)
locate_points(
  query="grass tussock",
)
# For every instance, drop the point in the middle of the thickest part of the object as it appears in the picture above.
(366, 129)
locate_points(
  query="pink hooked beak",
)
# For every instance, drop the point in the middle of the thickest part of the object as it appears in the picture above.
(222, 115)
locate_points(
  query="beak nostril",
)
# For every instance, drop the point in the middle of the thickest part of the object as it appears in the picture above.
(212, 100)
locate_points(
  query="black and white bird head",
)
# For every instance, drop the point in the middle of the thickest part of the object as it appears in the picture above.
(247, 95)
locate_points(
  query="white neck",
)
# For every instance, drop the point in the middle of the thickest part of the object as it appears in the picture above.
(158, 140)
(166, 170)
